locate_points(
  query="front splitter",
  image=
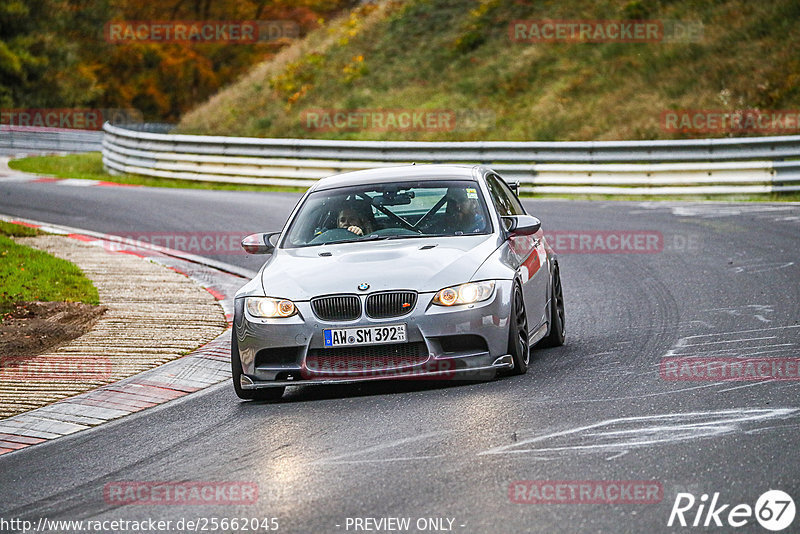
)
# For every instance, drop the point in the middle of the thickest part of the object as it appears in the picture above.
(473, 373)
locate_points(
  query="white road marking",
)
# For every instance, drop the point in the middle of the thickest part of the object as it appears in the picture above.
(711, 345)
(380, 460)
(759, 311)
(761, 267)
(376, 448)
(708, 210)
(615, 456)
(727, 352)
(743, 331)
(77, 182)
(647, 430)
(745, 386)
(648, 395)
(727, 341)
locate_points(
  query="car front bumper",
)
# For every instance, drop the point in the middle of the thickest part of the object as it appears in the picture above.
(279, 352)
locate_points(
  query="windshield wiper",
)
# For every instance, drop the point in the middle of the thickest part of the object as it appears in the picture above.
(370, 237)
(375, 237)
(415, 236)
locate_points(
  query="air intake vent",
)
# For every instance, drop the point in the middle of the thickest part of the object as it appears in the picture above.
(358, 361)
(337, 307)
(390, 304)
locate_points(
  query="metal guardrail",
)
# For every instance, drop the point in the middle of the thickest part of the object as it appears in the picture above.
(20, 139)
(706, 166)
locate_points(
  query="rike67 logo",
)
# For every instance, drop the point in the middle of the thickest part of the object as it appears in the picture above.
(774, 510)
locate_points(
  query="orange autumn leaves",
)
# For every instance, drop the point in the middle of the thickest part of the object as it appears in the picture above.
(53, 53)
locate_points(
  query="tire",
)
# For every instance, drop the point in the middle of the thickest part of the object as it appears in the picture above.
(557, 332)
(236, 373)
(518, 346)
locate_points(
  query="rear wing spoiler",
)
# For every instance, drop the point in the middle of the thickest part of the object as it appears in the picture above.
(514, 186)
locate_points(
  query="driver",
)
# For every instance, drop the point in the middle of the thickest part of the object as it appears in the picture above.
(353, 221)
(463, 214)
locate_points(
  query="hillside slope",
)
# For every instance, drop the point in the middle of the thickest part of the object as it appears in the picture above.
(457, 57)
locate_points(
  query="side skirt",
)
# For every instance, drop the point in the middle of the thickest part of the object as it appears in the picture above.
(537, 335)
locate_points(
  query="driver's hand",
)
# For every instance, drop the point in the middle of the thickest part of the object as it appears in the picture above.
(355, 229)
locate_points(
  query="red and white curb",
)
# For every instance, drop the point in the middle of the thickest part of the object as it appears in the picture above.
(77, 182)
(10, 175)
(206, 366)
(73, 182)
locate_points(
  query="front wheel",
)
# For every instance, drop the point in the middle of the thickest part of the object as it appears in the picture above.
(556, 335)
(236, 373)
(518, 334)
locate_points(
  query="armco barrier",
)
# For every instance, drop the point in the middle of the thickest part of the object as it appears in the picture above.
(31, 139)
(706, 166)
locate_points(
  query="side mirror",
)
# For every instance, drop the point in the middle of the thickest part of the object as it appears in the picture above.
(521, 224)
(259, 243)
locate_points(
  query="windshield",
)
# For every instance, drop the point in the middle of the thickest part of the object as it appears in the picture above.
(389, 211)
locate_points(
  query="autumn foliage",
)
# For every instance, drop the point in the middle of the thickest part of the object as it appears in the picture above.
(56, 54)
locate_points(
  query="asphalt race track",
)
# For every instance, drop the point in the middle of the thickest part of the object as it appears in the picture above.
(724, 282)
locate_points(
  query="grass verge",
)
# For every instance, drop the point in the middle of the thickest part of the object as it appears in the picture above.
(27, 274)
(89, 166)
(766, 197)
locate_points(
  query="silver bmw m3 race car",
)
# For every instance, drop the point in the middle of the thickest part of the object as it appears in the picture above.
(412, 272)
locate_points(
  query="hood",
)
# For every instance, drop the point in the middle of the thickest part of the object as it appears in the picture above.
(424, 265)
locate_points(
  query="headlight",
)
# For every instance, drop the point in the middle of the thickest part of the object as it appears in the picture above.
(269, 307)
(464, 294)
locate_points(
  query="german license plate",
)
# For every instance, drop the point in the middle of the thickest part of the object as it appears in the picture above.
(372, 335)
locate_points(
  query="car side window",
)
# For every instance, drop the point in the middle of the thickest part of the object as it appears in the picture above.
(504, 200)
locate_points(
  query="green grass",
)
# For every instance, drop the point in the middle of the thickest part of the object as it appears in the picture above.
(27, 274)
(89, 166)
(18, 230)
(457, 55)
(767, 197)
